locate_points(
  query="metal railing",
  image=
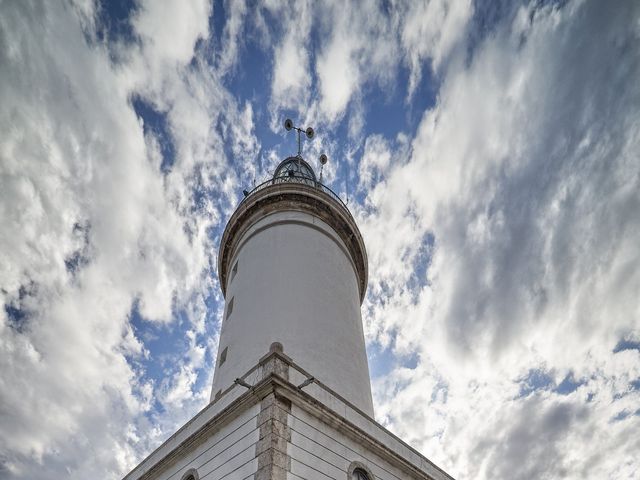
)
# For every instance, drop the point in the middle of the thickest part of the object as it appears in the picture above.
(300, 180)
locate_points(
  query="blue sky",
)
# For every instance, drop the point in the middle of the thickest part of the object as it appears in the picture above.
(488, 150)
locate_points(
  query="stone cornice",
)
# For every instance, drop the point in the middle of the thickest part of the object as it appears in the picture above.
(274, 372)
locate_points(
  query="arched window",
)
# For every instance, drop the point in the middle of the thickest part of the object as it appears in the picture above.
(191, 474)
(359, 471)
(359, 474)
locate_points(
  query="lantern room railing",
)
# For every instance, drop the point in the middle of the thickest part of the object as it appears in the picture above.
(300, 179)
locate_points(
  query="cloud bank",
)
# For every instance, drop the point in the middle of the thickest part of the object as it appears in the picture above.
(488, 150)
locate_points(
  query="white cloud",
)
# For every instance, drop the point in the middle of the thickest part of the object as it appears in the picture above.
(232, 38)
(169, 29)
(291, 82)
(375, 161)
(361, 47)
(429, 30)
(91, 225)
(526, 174)
(338, 75)
(502, 238)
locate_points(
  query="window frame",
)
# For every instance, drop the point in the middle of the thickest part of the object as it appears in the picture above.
(223, 356)
(229, 309)
(359, 466)
(234, 271)
(191, 474)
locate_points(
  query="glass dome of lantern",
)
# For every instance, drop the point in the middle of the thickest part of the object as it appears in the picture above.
(295, 169)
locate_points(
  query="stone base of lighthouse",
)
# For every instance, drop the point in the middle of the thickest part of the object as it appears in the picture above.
(277, 422)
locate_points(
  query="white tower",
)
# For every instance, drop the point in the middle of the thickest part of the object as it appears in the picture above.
(293, 269)
(291, 397)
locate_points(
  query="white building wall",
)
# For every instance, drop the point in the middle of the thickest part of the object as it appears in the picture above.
(321, 451)
(227, 454)
(295, 284)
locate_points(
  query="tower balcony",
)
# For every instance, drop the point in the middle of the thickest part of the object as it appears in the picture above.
(300, 178)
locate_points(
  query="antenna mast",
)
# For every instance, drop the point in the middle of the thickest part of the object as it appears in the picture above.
(310, 133)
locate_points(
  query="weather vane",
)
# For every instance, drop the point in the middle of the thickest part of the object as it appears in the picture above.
(288, 124)
(309, 132)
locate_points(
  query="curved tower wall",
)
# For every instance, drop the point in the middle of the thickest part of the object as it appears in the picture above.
(291, 277)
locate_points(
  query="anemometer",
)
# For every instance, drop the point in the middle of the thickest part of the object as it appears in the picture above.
(309, 133)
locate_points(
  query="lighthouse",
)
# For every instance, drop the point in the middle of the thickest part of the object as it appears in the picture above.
(293, 269)
(291, 396)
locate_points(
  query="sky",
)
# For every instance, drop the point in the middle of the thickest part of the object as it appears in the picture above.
(489, 151)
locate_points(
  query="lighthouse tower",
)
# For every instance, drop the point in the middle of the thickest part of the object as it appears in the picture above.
(291, 396)
(293, 269)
